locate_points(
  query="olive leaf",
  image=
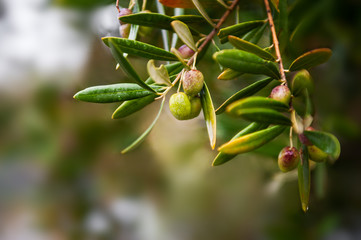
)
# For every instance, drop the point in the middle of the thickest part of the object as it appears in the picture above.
(297, 122)
(263, 115)
(126, 66)
(246, 62)
(209, 115)
(129, 107)
(257, 102)
(229, 74)
(275, 4)
(190, 19)
(112, 93)
(184, 34)
(203, 12)
(304, 178)
(327, 142)
(140, 49)
(223, 157)
(255, 35)
(311, 59)
(145, 133)
(250, 47)
(159, 75)
(245, 92)
(251, 141)
(238, 29)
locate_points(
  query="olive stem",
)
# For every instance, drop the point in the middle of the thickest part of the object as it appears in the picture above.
(275, 41)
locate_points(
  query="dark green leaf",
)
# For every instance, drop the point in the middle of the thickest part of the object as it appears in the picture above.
(251, 141)
(263, 115)
(255, 35)
(326, 142)
(229, 74)
(209, 115)
(126, 66)
(189, 19)
(129, 107)
(311, 59)
(304, 178)
(246, 62)
(140, 49)
(203, 12)
(250, 47)
(223, 157)
(257, 102)
(238, 29)
(112, 93)
(188, 3)
(245, 92)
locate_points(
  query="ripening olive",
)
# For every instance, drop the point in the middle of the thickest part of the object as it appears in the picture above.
(124, 30)
(288, 159)
(192, 82)
(124, 12)
(185, 51)
(180, 106)
(316, 154)
(281, 93)
(195, 106)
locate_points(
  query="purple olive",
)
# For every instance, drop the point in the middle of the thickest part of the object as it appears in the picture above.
(288, 159)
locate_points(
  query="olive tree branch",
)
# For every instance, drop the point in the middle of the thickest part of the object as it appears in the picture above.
(275, 42)
(214, 31)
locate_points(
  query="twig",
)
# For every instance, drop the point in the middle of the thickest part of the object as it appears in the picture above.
(215, 30)
(275, 42)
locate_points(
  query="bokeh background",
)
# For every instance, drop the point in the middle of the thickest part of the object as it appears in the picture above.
(61, 172)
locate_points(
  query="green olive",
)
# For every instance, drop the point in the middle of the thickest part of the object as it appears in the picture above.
(316, 154)
(180, 106)
(192, 82)
(288, 159)
(195, 107)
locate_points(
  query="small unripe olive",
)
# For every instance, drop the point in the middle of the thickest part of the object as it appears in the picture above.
(196, 106)
(301, 81)
(185, 51)
(124, 30)
(288, 159)
(180, 106)
(316, 154)
(192, 82)
(281, 93)
(124, 12)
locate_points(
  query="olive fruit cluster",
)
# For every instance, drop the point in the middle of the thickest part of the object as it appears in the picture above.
(187, 105)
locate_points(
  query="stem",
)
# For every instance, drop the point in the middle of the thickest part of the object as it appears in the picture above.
(215, 30)
(275, 42)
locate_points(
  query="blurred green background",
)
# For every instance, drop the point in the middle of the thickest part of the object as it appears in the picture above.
(61, 172)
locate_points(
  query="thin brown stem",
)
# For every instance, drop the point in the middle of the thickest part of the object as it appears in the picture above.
(117, 5)
(275, 42)
(215, 30)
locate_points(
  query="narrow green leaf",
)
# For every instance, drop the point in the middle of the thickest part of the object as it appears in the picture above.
(180, 58)
(255, 35)
(142, 137)
(203, 12)
(250, 47)
(257, 102)
(326, 142)
(263, 115)
(311, 59)
(190, 19)
(246, 62)
(238, 29)
(184, 34)
(251, 141)
(159, 75)
(112, 93)
(229, 74)
(283, 36)
(126, 66)
(275, 4)
(245, 92)
(172, 69)
(223, 157)
(131, 106)
(209, 115)
(304, 178)
(140, 49)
